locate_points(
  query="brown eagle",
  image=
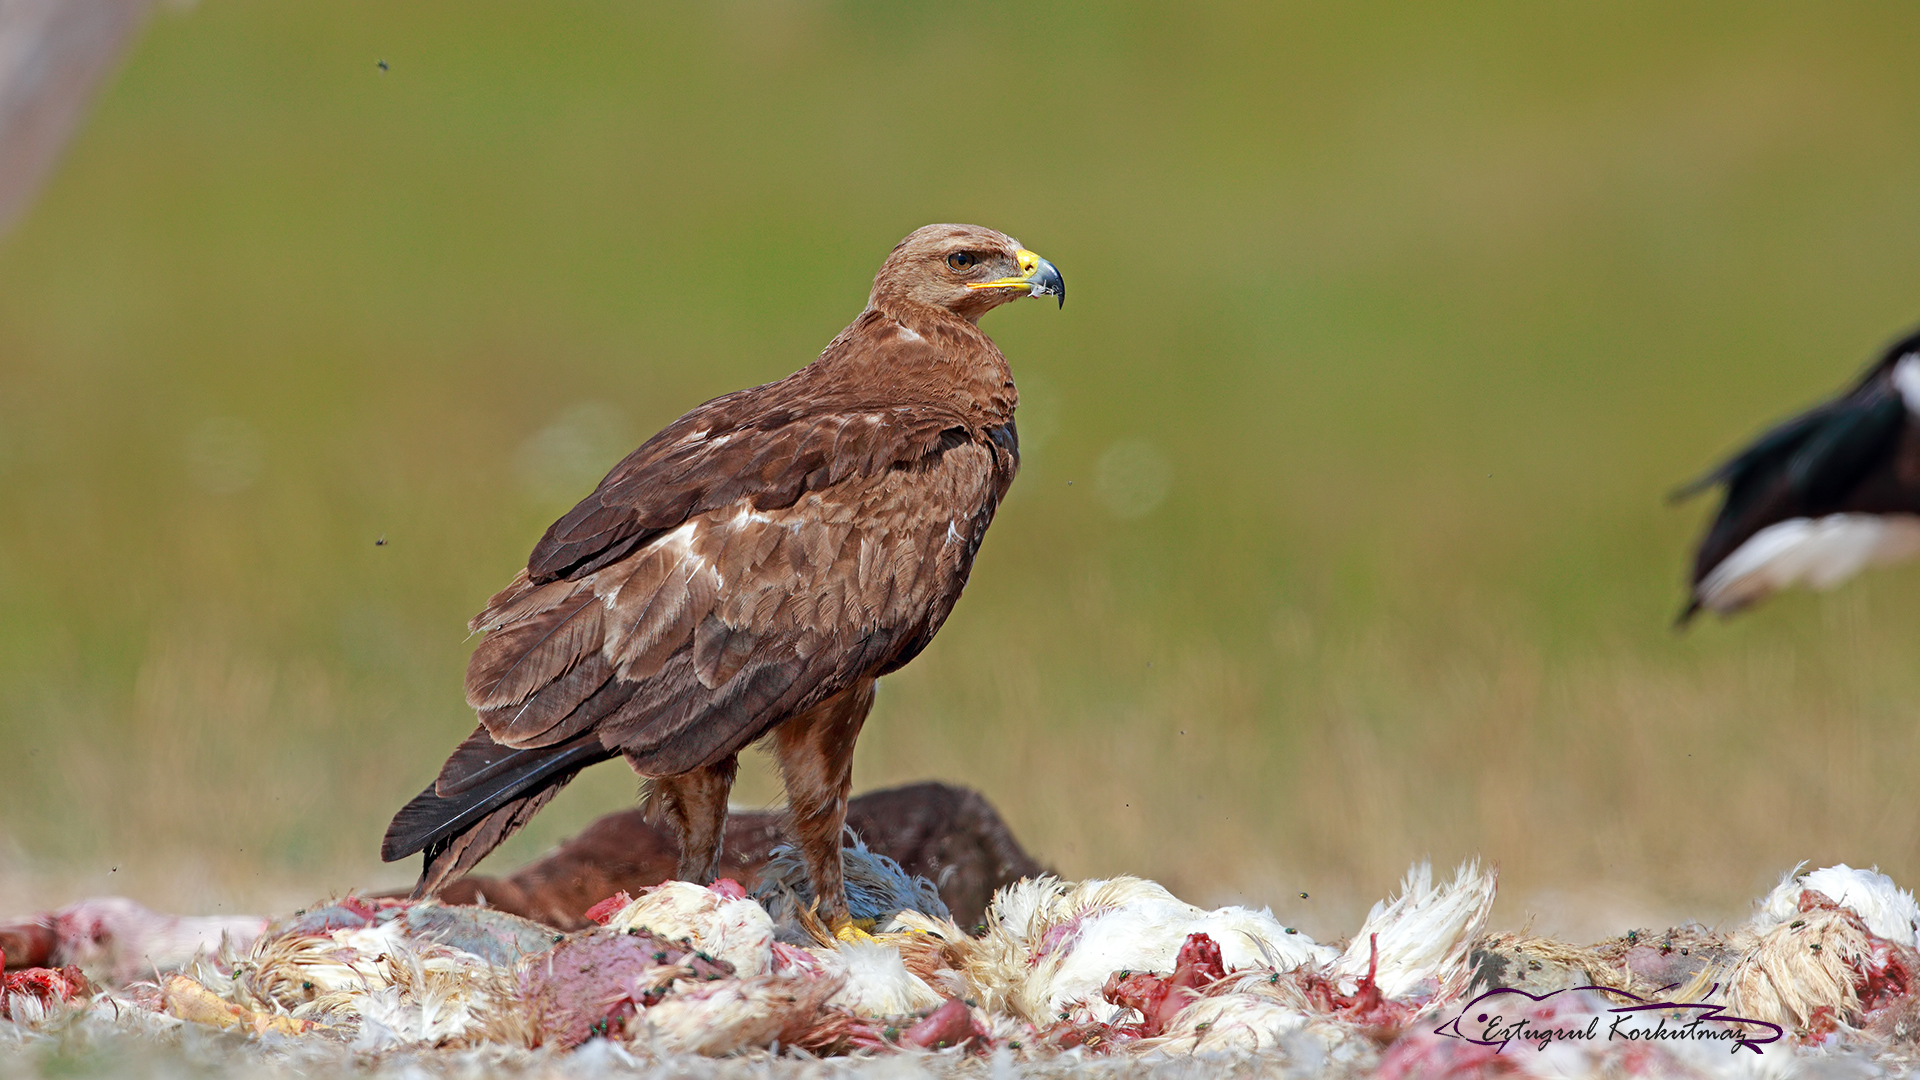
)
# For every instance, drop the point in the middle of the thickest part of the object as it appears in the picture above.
(750, 570)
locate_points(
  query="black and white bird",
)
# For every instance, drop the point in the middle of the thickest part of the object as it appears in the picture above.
(1820, 497)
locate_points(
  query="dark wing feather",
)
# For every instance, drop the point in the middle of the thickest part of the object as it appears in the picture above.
(1858, 453)
(452, 856)
(769, 446)
(740, 618)
(1807, 466)
(538, 663)
(480, 777)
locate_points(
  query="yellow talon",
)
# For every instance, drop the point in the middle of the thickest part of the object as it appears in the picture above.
(855, 930)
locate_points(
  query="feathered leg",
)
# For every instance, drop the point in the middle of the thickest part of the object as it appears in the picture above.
(695, 806)
(815, 750)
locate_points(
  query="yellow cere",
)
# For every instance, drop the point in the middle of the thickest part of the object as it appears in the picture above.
(1029, 264)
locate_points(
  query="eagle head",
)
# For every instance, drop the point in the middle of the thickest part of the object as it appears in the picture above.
(965, 269)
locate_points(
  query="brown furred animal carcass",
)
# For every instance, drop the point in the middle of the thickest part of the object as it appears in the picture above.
(949, 835)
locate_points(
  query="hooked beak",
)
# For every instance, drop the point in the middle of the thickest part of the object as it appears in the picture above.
(1037, 276)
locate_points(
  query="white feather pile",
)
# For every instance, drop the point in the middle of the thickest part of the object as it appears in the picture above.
(293, 970)
(1886, 908)
(116, 939)
(1238, 1023)
(1050, 948)
(27, 1011)
(718, 1018)
(1794, 966)
(1790, 972)
(1424, 935)
(435, 997)
(877, 982)
(1050, 945)
(388, 1020)
(375, 981)
(737, 931)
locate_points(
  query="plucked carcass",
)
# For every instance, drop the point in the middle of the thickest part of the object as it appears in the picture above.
(1827, 951)
(948, 835)
(1052, 949)
(1050, 944)
(718, 920)
(1883, 906)
(117, 939)
(1813, 977)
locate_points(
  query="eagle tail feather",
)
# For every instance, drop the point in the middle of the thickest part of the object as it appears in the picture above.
(448, 859)
(457, 829)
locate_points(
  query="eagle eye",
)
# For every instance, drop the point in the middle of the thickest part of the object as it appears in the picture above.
(960, 260)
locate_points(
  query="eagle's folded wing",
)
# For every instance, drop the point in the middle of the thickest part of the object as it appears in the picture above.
(805, 552)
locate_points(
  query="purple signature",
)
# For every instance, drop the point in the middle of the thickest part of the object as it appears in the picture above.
(1484, 1024)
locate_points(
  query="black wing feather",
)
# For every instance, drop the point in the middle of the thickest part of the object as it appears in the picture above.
(1829, 459)
(480, 777)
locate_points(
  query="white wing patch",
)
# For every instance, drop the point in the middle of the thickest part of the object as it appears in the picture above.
(705, 435)
(676, 547)
(1906, 379)
(1818, 552)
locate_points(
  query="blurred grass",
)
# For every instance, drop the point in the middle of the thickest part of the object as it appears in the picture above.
(1340, 539)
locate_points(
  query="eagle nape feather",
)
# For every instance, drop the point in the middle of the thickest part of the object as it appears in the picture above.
(491, 791)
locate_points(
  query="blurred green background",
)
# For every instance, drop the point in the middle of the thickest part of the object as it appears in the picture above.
(1340, 539)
